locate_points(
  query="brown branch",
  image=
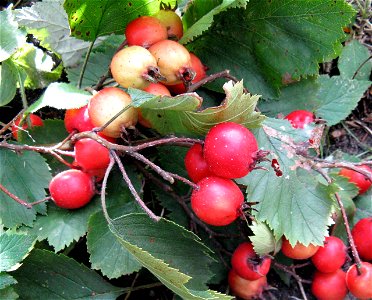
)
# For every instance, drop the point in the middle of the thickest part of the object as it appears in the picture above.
(14, 197)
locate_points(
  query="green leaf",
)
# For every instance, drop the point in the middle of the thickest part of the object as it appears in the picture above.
(52, 132)
(183, 267)
(27, 176)
(199, 16)
(62, 226)
(263, 239)
(13, 249)
(8, 82)
(98, 64)
(48, 22)
(61, 96)
(337, 97)
(6, 280)
(294, 204)
(364, 206)
(11, 38)
(45, 275)
(39, 67)
(352, 57)
(8, 293)
(180, 114)
(278, 42)
(89, 19)
(330, 98)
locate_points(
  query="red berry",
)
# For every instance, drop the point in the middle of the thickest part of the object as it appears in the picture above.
(108, 102)
(173, 60)
(196, 166)
(329, 286)
(299, 251)
(362, 235)
(172, 22)
(71, 189)
(34, 119)
(78, 119)
(248, 264)
(300, 118)
(360, 284)
(145, 31)
(91, 155)
(331, 256)
(200, 73)
(157, 89)
(229, 150)
(217, 201)
(246, 289)
(358, 179)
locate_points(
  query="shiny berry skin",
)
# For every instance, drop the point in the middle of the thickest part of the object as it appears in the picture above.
(300, 118)
(134, 67)
(104, 105)
(172, 22)
(360, 284)
(71, 189)
(145, 31)
(329, 286)
(299, 251)
(200, 73)
(229, 150)
(246, 289)
(358, 179)
(34, 119)
(218, 201)
(196, 166)
(362, 235)
(91, 155)
(248, 264)
(78, 119)
(173, 60)
(331, 256)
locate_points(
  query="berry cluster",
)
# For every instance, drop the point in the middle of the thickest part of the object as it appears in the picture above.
(230, 151)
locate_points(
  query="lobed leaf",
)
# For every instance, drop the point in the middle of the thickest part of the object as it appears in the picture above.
(263, 239)
(6, 280)
(180, 114)
(50, 276)
(13, 249)
(11, 37)
(61, 96)
(26, 175)
(273, 43)
(183, 267)
(295, 204)
(89, 19)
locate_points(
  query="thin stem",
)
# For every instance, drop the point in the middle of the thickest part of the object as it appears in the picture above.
(14, 197)
(7, 126)
(131, 287)
(132, 188)
(103, 189)
(23, 92)
(85, 63)
(361, 66)
(362, 145)
(346, 221)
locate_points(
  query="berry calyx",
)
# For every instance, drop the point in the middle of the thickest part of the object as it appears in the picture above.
(134, 67)
(218, 201)
(331, 256)
(34, 119)
(145, 31)
(329, 286)
(173, 61)
(298, 251)
(248, 264)
(246, 289)
(357, 178)
(71, 189)
(230, 149)
(362, 235)
(359, 284)
(300, 118)
(195, 164)
(106, 104)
